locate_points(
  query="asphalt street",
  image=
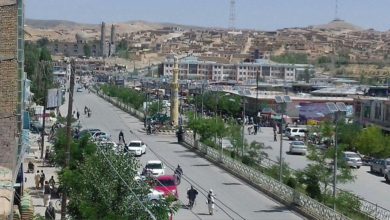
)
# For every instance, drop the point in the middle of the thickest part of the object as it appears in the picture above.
(366, 185)
(235, 198)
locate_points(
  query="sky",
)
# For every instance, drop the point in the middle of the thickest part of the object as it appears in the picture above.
(250, 14)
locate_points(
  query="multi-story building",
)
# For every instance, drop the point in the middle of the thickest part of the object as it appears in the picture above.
(12, 82)
(194, 68)
(97, 47)
(373, 111)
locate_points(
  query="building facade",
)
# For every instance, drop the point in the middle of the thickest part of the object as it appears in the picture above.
(372, 111)
(195, 69)
(11, 103)
(102, 47)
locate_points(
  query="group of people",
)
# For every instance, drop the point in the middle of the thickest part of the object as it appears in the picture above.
(192, 193)
(256, 128)
(87, 111)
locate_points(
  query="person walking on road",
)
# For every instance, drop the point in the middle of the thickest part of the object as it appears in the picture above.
(78, 115)
(37, 179)
(178, 174)
(42, 179)
(46, 193)
(121, 137)
(211, 201)
(191, 194)
(50, 213)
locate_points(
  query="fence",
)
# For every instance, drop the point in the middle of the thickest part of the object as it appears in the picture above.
(268, 184)
(281, 191)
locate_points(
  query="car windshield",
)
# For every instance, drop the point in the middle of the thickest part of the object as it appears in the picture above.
(134, 144)
(167, 182)
(298, 143)
(153, 166)
(388, 162)
(351, 155)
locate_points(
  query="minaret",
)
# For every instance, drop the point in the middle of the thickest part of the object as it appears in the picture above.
(103, 40)
(175, 93)
(112, 40)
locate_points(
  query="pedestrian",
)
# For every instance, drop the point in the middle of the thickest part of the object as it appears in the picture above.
(42, 179)
(191, 194)
(211, 201)
(275, 136)
(255, 129)
(85, 110)
(46, 193)
(78, 115)
(50, 213)
(249, 130)
(37, 179)
(52, 182)
(121, 137)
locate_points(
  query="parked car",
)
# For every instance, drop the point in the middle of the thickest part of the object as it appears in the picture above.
(101, 136)
(137, 147)
(295, 133)
(387, 176)
(156, 167)
(80, 89)
(155, 195)
(84, 132)
(298, 147)
(167, 184)
(380, 166)
(353, 159)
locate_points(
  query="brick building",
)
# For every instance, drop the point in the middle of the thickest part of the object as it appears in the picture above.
(11, 80)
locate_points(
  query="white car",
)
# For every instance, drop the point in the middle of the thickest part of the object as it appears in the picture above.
(156, 167)
(137, 147)
(100, 136)
(155, 195)
(298, 147)
(353, 159)
(109, 145)
(296, 133)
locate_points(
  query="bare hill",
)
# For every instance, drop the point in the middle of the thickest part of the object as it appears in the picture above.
(339, 25)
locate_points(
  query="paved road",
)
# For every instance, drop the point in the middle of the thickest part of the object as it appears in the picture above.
(235, 199)
(369, 186)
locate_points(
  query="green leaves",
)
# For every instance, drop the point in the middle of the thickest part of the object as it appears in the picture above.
(126, 95)
(102, 184)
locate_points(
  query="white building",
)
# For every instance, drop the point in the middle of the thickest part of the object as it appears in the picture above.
(193, 68)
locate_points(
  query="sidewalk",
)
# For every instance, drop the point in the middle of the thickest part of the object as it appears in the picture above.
(34, 155)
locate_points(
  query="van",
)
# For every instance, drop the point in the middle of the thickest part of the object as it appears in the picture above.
(295, 133)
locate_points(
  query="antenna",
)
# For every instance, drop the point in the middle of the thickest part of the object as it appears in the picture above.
(336, 11)
(232, 15)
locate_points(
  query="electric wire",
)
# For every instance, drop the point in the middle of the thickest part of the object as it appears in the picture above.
(161, 183)
(189, 180)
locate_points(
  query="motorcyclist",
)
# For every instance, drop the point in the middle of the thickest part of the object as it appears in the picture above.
(178, 173)
(191, 194)
(210, 201)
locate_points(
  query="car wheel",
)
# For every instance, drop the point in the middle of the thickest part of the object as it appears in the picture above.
(381, 172)
(358, 167)
(371, 170)
(387, 179)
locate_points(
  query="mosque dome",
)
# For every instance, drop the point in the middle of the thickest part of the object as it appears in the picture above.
(81, 37)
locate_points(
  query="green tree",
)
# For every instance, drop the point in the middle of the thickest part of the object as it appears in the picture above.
(87, 50)
(102, 185)
(320, 169)
(372, 142)
(43, 42)
(256, 151)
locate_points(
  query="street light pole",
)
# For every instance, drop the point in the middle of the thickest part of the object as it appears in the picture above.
(335, 108)
(243, 127)
(282, 101)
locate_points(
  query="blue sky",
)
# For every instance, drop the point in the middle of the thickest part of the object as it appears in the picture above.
(254, 14)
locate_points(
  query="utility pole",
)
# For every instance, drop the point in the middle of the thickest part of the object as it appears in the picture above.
(68, 134)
